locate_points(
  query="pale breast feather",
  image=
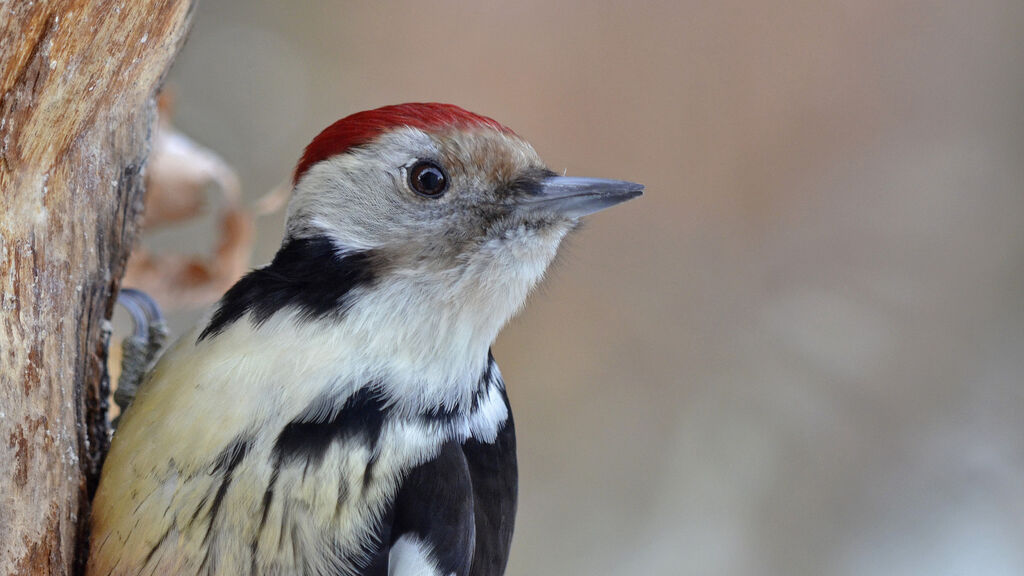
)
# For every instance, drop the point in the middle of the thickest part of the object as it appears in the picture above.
(322, 478)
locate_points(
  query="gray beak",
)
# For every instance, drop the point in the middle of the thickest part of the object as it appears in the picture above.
(574, 197)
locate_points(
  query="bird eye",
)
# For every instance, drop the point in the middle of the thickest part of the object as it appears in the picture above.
(428, 179)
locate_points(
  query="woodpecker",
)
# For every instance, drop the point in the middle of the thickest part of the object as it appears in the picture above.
(339, 411)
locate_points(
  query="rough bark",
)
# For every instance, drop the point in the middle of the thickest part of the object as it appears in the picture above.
(77, 86)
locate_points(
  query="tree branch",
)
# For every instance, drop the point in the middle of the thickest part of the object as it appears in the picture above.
(77, 86)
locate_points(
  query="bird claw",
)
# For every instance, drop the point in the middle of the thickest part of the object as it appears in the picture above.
(142, 348)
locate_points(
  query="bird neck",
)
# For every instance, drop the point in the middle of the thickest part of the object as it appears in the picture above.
(421, 336)
(433, 324)
(429, 333)
(418, 333)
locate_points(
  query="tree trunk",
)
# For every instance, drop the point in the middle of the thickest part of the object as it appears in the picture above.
(77, 86)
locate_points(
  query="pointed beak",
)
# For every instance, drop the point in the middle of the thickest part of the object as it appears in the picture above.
(573, 197)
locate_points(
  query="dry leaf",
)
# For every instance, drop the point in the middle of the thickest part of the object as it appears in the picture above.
(180, 175)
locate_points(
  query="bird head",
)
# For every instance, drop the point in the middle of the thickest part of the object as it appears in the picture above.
(434, 189)
(454, 214)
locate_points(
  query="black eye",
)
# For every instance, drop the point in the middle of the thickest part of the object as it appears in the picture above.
(428, 179)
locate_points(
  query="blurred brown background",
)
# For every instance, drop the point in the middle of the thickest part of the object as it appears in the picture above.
(802, 351)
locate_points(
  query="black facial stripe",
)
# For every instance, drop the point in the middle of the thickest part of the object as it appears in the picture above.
(306, 273)
(310, 434)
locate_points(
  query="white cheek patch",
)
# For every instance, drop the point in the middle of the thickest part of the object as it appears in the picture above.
(410, 556)
(356, 198)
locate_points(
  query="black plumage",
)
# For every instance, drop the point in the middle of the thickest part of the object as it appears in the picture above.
(307, 273)
(460, 504)
(495, 478)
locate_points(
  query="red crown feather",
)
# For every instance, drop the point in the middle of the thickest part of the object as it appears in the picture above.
(361, 127)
